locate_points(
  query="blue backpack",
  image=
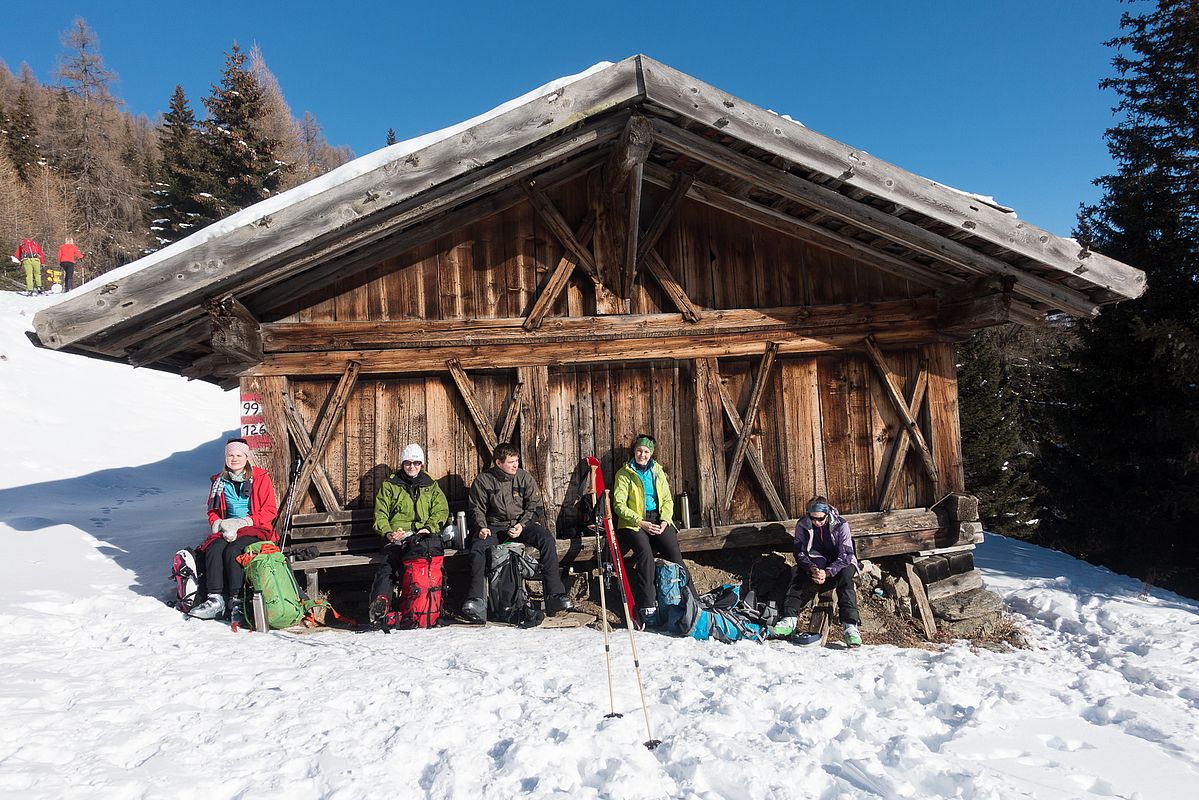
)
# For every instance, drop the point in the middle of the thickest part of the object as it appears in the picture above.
(719, 614)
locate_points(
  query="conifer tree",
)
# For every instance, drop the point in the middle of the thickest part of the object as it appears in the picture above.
(1124, 474)
(391, 136)
(997, 460)
(242, 159)
(22, 137)
(179, 205)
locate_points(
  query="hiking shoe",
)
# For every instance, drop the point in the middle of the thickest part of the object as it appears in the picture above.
(474, 611)
(558, 602)
(378, 611)
(784, 628)
(649, 617)
(236, 612)
(211, 608)
(853, 637)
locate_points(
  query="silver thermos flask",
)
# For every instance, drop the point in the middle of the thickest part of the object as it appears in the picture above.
(685, 502)
(259, 612)
(460, 542)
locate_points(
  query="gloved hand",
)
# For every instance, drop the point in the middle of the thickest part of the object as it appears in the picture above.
(230, 527)
(216, 526)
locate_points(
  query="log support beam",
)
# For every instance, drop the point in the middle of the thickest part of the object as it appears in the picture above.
(914, 399)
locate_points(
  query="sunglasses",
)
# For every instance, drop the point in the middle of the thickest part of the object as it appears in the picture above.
(411, 463)
(818, 518)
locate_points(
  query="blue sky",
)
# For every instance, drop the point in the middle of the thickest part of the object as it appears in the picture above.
(997, 97)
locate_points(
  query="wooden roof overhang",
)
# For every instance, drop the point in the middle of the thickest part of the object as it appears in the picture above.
(202, 312)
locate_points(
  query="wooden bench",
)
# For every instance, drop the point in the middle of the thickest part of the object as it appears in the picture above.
(347, 539)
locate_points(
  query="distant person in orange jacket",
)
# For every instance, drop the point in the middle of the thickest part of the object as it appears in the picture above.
(68, 254)
(29, 254)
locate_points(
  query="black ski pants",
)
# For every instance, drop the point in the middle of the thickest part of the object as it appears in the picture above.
(802, 589)
(68, 269)
(385, 575)
(641, 566)
(478, 553)
(222, 574)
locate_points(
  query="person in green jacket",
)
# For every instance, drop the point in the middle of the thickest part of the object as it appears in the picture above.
(410, 511)
(645, 522)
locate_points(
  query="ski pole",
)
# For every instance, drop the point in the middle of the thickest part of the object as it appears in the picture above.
(291, 501)
(650, 742)
(599, 549)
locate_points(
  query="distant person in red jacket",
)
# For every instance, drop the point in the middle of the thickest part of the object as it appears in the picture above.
(29, 254)
(68, 254)
(241, 508)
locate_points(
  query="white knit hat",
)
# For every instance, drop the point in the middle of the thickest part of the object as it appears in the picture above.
(412, 453)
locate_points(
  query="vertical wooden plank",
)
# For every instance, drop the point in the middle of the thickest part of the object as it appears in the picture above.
(563, 448)
(536, 441)
(709, 443)
(694, 257)
(309, 397)
(861, 447)
(945, 427)
(449, 275)
(834, 415)
(276, 458)
(353, 423)
(884, 421)
(440, 430)
(601, 395)
(914, 482)
(584, 412)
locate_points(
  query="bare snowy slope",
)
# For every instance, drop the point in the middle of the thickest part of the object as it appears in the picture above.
(110, 693)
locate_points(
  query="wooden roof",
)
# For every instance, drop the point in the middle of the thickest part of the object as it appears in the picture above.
(738, 157)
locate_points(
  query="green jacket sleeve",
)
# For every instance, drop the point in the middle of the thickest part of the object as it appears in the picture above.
(384, 506)
(626, 515)
(439, 510)
(665, 497)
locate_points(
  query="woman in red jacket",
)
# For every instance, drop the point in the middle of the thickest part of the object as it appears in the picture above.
(241, 508)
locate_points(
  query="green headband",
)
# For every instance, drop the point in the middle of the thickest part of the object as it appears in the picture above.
(644, 441)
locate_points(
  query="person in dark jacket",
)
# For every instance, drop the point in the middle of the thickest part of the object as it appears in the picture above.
(824, 559)
(410, 511)
(241, 510)
(502, 506)
(644, 508)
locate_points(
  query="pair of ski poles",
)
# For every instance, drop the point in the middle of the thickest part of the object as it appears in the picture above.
(602, 516)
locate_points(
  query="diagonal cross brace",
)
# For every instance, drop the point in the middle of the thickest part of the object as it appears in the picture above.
(751, 416)
(903, 440)
(890, 385)
(752, 454)
(324, 430)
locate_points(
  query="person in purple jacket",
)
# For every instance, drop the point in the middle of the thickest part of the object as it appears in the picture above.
(824, 559)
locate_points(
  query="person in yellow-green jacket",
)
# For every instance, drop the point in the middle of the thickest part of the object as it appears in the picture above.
(410, 511)
(644, 508)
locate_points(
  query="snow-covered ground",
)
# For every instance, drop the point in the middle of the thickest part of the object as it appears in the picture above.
(108, 692)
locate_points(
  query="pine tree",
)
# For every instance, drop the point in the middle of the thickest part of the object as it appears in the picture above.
(22, 137)
(997, 461)
(391, 136)
(179, 205)
(1124, 474)
(242, 159)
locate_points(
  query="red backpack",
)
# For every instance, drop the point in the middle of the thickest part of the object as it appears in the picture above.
(422, 585)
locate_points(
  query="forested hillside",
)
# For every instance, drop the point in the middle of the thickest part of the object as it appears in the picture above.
(75, 162)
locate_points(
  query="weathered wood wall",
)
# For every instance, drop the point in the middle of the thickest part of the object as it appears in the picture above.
(824, 425)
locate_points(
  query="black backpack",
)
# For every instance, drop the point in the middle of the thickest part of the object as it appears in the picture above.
(507, 598)
(766, 588)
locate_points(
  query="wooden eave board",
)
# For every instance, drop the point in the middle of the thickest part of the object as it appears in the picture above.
(693, 99)
(216, 266)
(266, 244)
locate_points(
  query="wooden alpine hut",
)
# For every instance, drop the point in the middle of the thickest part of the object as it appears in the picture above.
(628, 250)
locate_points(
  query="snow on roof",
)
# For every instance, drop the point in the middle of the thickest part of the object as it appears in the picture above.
(343, 174)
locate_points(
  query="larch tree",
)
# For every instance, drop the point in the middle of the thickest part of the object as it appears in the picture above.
(108, 196)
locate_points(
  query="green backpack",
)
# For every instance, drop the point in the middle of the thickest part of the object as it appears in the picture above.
(269, 575)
